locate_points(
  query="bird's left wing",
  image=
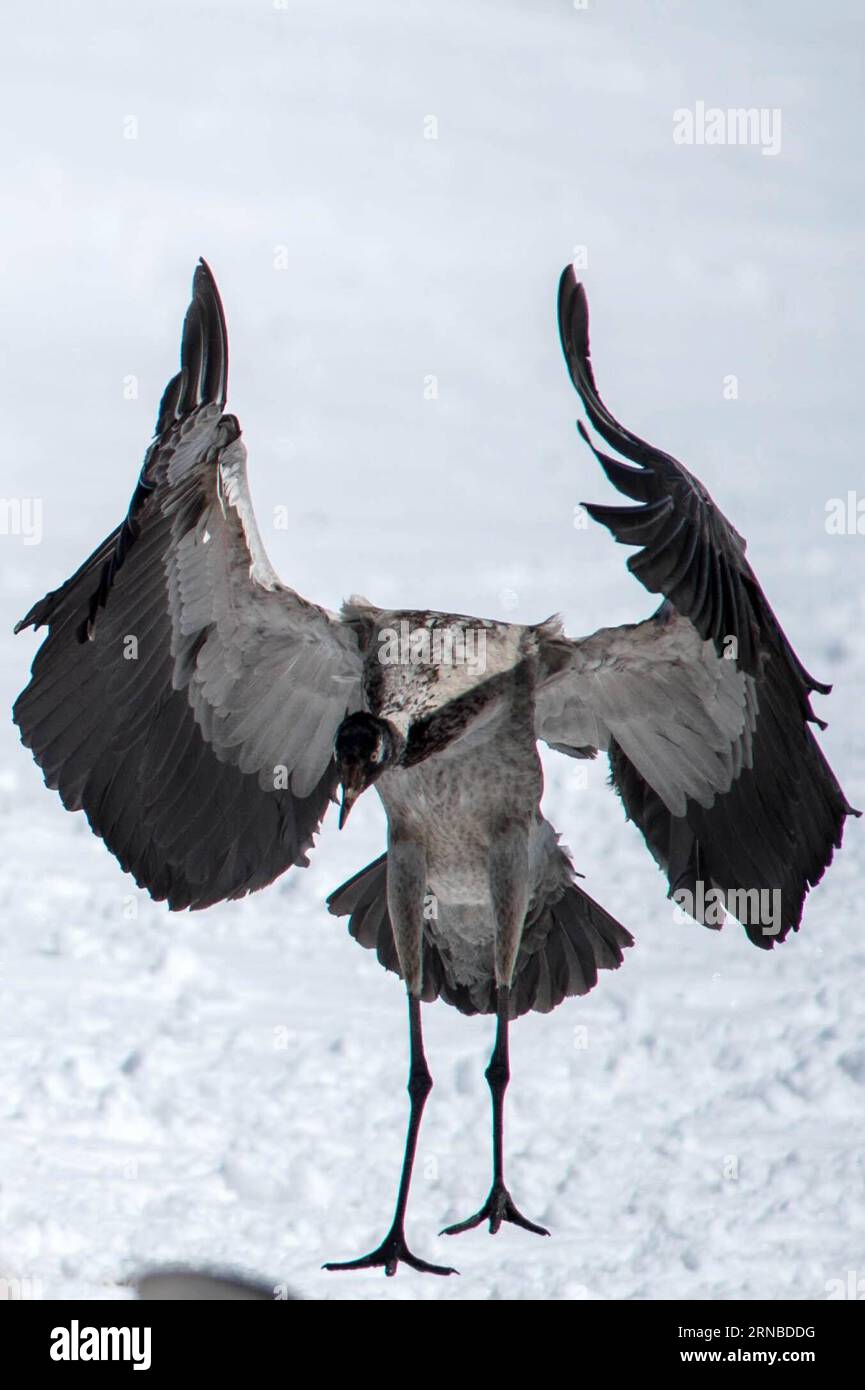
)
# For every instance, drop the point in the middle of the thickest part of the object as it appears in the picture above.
(705, 708)
(184, 698)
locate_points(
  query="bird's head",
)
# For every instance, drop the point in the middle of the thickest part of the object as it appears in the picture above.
(365, 747)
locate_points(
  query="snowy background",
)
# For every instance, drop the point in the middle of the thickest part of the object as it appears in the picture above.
(227, 1088)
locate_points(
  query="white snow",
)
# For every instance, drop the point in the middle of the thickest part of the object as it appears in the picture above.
(228, 1088)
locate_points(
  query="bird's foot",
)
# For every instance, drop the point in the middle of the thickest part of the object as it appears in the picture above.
(392, 1252)
(498, 1207)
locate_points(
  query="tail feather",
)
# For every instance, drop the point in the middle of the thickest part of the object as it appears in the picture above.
(564, 946)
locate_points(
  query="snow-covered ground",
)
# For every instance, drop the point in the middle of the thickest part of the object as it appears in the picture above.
(227, 1088)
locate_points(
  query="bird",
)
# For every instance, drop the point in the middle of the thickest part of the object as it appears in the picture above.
(204, 716)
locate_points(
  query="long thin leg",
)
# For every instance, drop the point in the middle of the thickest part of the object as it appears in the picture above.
(393, 1248)
(499, 1205)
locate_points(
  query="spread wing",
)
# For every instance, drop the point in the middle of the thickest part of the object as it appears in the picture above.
(705, 709)
(184, 698)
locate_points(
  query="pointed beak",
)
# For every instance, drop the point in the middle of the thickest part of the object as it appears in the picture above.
(352, 786)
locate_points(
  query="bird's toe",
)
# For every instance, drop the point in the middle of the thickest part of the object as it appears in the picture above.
(498, 1207)
(388, 1256)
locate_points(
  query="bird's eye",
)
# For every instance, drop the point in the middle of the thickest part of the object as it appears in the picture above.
(378, 753)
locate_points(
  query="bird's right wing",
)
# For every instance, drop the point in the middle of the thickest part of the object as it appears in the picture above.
(184, 698)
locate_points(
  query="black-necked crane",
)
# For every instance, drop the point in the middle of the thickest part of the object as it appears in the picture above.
(208, 763)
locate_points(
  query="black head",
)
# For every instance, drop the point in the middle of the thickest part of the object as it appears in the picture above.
(364, 747)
